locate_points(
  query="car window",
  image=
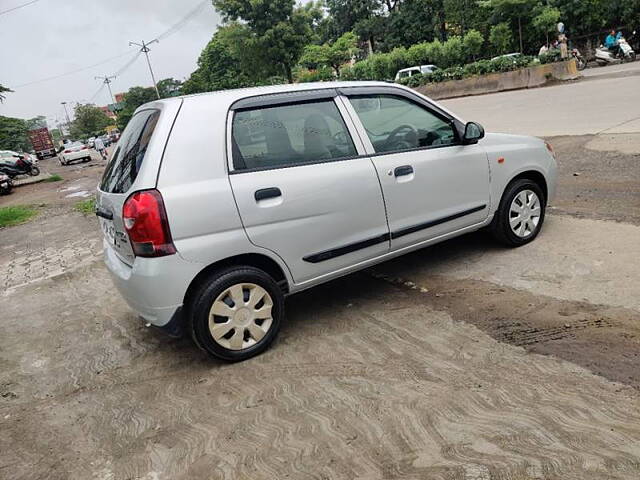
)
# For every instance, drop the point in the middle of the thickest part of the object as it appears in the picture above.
(289, 134)
(395, 124)
(126, 161)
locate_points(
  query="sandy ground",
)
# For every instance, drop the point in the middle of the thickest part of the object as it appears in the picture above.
(460, 361)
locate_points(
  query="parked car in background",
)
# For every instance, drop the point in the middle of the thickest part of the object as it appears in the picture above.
(303, 184)
(74, 151)
(106, 140)
(42, 143)
(411, 71)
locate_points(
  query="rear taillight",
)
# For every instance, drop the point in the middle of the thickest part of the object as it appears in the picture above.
(85, 148)
(145, 220)
(67, 151)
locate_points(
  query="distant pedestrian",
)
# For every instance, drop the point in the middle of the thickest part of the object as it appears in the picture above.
(98, 144)
(562, 40)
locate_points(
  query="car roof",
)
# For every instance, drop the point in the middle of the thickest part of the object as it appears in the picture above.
(231, 96)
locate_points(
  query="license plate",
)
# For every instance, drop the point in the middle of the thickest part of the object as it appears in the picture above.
(109, 231)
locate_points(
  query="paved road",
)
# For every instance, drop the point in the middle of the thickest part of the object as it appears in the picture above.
(578, 108)
(464, 361)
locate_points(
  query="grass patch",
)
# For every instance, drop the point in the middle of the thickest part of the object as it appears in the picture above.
(53, 178)
(86, 207)
(10, 216)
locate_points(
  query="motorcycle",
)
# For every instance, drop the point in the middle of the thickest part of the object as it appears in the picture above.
(604, 56)
(21, 166)
(581, 62)
(5, 184)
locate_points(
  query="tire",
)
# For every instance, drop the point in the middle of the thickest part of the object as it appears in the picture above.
(501, 226)
(34, 172)
(236, 343)
(86, 159)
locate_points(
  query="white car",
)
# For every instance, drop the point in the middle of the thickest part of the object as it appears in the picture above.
(74, 151)
(214, 207)
(411, 71)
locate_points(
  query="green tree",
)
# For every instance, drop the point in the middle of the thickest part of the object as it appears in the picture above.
(512, 10)
(36, 122)
(222, 63)
(13, 134)
(169, 87)
(501, 38)
(56, 134)
(278, 29)
(333, 55)
(89, 121)
(3, 90)
(133, 98)
(546, 21)
(473, 41)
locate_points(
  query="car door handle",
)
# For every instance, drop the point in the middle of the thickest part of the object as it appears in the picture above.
(104, 213)
(403, 170)
(265, 193)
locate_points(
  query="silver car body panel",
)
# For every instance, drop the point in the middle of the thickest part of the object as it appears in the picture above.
(213, 214)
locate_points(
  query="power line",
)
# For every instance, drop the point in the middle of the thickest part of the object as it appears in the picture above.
(19, 6)
(182, 22)
(82, 69)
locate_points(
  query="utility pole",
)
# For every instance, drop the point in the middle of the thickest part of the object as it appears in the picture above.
(64, 104)
(144, 48)
(107, 81)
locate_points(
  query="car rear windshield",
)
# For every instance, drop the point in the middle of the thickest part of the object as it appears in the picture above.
(127, 159)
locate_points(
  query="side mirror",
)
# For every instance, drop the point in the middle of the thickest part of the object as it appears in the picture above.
(472, 133)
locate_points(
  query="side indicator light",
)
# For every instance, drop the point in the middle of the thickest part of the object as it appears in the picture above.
(501, 160)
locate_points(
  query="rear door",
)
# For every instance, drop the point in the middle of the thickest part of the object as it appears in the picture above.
(120, 176)
(301, 187)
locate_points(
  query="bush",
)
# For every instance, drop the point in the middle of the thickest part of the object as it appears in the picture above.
(501, 38)
(551, 56)
(453, 53)
(322, 74)
(417, 54)
(473, 41)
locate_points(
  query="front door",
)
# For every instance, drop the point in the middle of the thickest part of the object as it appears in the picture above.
(432, 184)
(302, 190)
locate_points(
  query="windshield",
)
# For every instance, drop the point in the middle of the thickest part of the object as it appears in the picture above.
(129, 155)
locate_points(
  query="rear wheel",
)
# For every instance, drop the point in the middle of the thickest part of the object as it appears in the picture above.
(520, 215)
(34, 172)
(236, 313)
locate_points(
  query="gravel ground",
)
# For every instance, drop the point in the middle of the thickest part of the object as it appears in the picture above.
(461, 361)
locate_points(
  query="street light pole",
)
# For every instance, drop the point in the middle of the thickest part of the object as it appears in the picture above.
(144, 48)
(107, 80)
(64, 104)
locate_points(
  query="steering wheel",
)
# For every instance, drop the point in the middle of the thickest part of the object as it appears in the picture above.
(410, 138)
(340, 138)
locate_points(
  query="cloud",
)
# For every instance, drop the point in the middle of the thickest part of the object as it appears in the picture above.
(52, 37)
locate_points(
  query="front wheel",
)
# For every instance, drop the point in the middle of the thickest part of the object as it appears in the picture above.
(34, 172)
(520, 215)
(236, 313)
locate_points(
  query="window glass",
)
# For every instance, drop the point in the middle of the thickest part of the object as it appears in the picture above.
(394, 123)
(126, 161)
(289, 135)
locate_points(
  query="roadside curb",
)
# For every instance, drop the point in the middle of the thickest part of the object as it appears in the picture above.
(31, 180)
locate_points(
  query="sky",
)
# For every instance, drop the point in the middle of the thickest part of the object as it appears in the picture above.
(51, 37)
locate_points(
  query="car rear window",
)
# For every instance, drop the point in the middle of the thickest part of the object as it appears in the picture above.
(126, 161)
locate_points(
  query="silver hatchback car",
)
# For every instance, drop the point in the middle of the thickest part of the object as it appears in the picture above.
(214, 207)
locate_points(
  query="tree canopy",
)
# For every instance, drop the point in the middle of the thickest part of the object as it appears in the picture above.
(89, 121)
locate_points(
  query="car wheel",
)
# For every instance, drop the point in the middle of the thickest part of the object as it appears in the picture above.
(236, 313)
(86, 159)
(520, 215)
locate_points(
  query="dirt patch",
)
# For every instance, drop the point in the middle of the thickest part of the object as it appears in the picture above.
(603, 339)
(602, 184)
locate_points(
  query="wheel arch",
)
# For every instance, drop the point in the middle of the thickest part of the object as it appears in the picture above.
(256, 260)
(533, 175)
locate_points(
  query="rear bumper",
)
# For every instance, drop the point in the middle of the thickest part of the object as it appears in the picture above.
(153, 287)
(67, 157)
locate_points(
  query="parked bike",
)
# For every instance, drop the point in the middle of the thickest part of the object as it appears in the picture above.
(581, 62)
(20, 166)
(5, 184)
